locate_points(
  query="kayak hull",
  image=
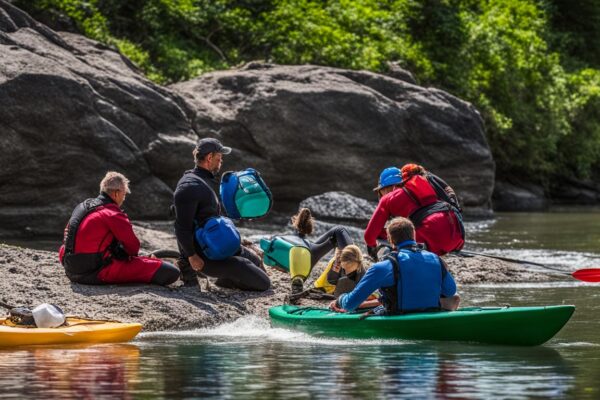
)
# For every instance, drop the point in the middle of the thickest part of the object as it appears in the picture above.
(518, 326)
(77, 331)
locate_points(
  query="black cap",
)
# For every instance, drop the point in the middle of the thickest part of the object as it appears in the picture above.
(211, 145)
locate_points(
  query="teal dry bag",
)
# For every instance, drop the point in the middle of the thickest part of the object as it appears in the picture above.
(245, 194)
(277, 250)
(218, 238)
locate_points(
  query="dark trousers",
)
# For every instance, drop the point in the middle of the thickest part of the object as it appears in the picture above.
(240, 271)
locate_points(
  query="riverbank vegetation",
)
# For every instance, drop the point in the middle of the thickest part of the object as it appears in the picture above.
(532, 67)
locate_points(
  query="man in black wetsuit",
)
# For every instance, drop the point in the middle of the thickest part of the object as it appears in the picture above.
(195, 201)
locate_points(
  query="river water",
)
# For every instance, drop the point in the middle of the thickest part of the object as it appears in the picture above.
(248, 359)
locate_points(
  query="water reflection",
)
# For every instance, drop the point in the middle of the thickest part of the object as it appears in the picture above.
(268, 368)
(67, 372)
(280, 369)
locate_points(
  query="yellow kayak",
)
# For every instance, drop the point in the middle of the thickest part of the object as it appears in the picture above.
(76, 330)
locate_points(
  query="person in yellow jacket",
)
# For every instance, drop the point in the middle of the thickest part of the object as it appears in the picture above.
(343, 270)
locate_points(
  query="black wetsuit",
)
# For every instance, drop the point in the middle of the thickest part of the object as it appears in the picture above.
(336, 237)
(195, 201)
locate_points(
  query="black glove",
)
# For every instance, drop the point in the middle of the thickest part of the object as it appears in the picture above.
(382, 250)
(372, 251)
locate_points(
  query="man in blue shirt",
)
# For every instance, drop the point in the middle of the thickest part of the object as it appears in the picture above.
(411, 279)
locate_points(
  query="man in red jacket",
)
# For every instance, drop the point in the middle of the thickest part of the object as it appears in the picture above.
(100, 247)
(428, 201)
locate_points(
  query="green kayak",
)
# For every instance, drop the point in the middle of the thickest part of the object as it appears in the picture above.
(519, 326)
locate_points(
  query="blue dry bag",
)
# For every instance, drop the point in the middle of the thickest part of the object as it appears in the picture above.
(218, 238)
(245, 194)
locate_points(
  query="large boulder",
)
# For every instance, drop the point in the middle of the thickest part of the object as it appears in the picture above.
(339, 206)
(72, 109)
(518, 197)
(312, 129)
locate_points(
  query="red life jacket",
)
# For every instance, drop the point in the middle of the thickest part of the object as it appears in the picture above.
(425, 202)
(421, 194)
(83, 267)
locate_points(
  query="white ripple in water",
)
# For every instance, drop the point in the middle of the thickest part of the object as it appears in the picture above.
(568, 260)
(534, 285)
(250, 327)
(575, 344)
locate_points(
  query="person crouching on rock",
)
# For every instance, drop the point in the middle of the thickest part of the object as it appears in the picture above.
(196, 201)
(411, 279)
(335, 238)
(428, 201)
(100, 246)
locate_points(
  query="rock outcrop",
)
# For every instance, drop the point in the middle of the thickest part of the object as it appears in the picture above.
(312, 129)
(70, 110)
(521, 197)
(339, 206)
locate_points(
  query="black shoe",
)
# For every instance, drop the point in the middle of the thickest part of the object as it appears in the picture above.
(297, 285)
(188, 275)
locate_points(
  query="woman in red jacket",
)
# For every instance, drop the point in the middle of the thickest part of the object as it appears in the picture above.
(428, 201)
(100, 246)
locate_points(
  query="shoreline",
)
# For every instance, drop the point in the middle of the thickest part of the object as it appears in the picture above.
(29, 277)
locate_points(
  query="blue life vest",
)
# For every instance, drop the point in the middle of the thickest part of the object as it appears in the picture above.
(418, 277)
(245, 194)
(218, 238)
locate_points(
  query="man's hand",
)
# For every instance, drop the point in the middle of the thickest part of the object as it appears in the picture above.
(196, 262)
(333, 306)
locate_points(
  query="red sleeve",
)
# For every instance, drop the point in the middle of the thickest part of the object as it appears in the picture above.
(376, 225)
(121, 228)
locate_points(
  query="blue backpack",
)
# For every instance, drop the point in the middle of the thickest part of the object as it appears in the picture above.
(218, 238)
(245, 194)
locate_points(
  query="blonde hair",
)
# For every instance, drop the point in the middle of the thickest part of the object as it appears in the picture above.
(303, 222)
(114, 181)
(352, 254)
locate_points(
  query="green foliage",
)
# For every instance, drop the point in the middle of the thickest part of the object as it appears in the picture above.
(575, 31)
(518, 82)
(530, 66)
(580, 151)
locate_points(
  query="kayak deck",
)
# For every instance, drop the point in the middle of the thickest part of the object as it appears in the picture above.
(521, 326)
(78, 330)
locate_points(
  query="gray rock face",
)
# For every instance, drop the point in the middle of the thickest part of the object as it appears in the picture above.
(573, 191)
(510, 197)
(70, 110)
(339, 205)
(396, 71)
(312, 129)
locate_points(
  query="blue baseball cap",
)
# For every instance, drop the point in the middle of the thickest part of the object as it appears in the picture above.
(388, 177)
